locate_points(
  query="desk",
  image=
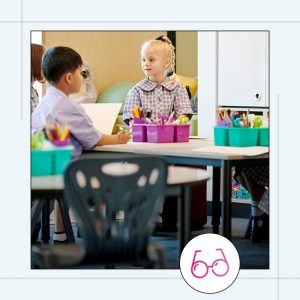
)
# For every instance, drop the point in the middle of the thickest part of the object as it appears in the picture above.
(179, 181)
(198, 152)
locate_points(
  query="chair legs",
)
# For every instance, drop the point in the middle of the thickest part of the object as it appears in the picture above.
(42, 206)
(36, 231)
(36, 210)
(45, 221)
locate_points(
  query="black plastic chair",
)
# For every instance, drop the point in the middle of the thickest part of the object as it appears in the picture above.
(116, 202)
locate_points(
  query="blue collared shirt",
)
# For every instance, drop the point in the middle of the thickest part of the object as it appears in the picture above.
(56, 107)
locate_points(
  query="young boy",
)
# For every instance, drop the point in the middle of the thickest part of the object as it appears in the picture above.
(62, 69)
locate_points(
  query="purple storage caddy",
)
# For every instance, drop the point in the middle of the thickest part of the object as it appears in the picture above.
(182, 133)
(160, 133)
(139, 130)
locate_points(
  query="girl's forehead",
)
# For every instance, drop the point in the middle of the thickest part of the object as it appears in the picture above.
(151, 50)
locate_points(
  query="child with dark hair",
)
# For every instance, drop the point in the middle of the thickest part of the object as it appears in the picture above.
(60, 60)
(37, 52)
(62, 67)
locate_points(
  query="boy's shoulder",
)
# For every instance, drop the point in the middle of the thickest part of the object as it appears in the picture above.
(61, 101)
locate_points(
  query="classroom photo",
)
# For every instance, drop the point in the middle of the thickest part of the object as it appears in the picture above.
(144, 140)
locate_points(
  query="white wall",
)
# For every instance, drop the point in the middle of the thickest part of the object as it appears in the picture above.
(207, 82)
(207, 89)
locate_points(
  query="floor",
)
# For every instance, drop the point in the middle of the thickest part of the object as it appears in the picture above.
(252, 255)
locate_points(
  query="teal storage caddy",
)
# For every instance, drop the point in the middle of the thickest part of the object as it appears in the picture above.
(50, 162)
(243, 137)
(61, 159)
(41, 162)
(221, 137)
(263, 137)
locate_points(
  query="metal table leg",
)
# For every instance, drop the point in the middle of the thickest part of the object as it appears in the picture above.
(45, 221)
(66, 219)
(184, 214)
(226, 199)
(216, 203)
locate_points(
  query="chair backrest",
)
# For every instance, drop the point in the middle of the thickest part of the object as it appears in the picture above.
(116, 202)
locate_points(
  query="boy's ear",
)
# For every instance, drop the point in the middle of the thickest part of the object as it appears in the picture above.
(68, 77)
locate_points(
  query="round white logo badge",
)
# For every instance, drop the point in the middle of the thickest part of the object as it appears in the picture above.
(209, 263)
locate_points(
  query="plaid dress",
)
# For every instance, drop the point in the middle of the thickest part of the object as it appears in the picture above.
(34, 98)
(263, 204)
(162, 98)
(259, 175)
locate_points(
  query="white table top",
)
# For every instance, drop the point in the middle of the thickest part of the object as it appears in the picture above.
(176, 176)
(203, 148)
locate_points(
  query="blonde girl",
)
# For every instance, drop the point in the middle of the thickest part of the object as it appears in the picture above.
(159, 92)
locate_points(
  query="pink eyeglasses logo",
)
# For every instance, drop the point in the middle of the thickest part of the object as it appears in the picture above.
(209, 263)
(200, 268)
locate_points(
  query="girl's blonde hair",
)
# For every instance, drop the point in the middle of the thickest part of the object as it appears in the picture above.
(168, 49)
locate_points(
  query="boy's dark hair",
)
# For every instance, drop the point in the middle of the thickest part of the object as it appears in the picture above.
(59, 60)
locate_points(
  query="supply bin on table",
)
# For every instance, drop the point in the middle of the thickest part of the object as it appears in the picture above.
(41, 162)
(263, 136)
(160, 133)
(243, 137)
(50, 162)
(139, 130)
(181, 133)
(221, 137)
